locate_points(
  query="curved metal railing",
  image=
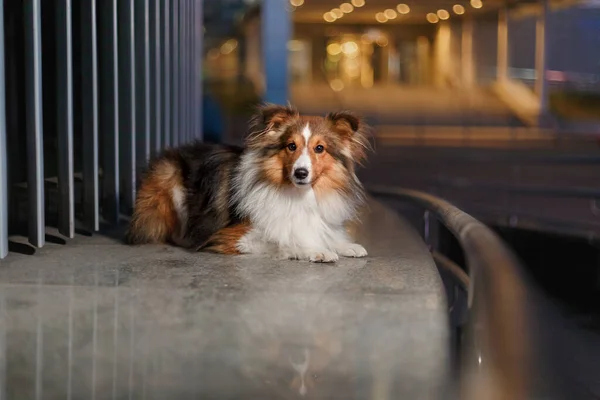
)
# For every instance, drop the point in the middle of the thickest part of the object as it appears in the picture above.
(498, 352)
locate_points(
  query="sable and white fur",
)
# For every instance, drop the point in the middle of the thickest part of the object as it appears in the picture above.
(288, 193)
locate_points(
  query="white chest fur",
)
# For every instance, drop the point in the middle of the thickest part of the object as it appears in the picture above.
(291, 216)
(294, 217)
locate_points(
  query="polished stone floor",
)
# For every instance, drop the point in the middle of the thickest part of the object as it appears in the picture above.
(99, 320)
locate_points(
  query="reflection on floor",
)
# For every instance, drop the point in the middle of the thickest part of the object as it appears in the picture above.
(98, 319)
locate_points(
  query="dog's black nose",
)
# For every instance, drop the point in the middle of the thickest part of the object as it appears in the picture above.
(301, 173)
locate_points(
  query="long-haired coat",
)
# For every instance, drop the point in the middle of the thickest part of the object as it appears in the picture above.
(288, 193)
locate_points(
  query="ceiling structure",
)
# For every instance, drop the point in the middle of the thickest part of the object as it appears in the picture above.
(387, 11)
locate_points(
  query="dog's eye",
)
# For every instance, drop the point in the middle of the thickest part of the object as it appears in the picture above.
(292, 146)
(319, 149)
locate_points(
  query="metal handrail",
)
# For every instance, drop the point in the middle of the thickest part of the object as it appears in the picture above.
(452, 268)
(499, 346)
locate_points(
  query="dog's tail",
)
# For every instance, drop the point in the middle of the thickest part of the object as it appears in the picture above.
(160, 206)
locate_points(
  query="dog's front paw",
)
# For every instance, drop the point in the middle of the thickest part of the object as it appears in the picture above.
(323, 256)
(287, 254)
(316, 256)
(351, 250)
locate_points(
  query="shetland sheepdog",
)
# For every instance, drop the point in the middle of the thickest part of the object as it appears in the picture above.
(288, 193)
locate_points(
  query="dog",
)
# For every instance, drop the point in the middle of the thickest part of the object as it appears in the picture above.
(288, 193)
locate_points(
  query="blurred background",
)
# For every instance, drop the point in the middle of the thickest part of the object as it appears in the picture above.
(492, 104)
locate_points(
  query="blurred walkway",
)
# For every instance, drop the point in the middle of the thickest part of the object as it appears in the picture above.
(403, 105)
(541, 184)
(498, 137)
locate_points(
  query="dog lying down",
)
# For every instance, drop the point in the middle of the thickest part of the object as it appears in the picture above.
(288, 193)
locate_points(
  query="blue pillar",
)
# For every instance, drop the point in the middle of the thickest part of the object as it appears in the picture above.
(276, 31)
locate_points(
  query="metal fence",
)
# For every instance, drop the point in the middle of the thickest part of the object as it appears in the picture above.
(89, 91)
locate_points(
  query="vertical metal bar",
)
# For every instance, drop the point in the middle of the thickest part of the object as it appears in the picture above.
(193, 72)
(157, 81)
(190, 70)
(66, 182)
(175, 73)
(197, 67)
(109, 109)
(126, 40)
(191, 63)
(142, 50)
(3, 154)
(182, 88)
(89, 97)
(188, 58)
(182, 68)
(35, 134)
(190, 92)
(166, 73)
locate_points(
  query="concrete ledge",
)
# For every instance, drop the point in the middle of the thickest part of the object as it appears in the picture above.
(155, 319)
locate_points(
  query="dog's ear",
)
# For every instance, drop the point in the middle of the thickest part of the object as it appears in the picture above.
(353, 131)
(267, 120)
(272, 116)
(344, 121)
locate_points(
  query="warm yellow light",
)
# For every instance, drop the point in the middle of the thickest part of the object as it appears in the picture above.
(458, 9)
(349, 48)
(346, 8)
(380, 17)
(476, 3)
(431, 17)
(334, 49)
(295, 45)
(328, 17)
(382, 41)
(337, 85)
(337, 13)
(358, 3)
(443, 14)
(390, 14)
(229, 46)
(296, 3)
(403, 8)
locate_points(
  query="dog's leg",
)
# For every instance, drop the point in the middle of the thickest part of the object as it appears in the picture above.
(313, 255)
(344, 246)
(349, 249)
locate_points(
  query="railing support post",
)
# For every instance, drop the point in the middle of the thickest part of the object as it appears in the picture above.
(3, 153)
(89, 106)
(35, 135)
(64, 109)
